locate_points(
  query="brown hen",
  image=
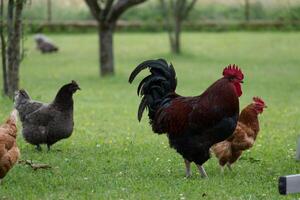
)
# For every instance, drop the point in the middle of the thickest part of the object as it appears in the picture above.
(244, 136)
(9, 151)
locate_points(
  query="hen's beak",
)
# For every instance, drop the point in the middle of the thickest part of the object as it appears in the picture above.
(241, 81)
(78, 88)
(265, 106)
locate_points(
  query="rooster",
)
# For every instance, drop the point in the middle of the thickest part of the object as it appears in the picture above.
(9, 151)
(192, 124)
(47, 123)
(244, 136)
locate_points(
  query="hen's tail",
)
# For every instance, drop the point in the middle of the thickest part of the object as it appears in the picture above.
(156, 87)
(13, 118)
(222, 150)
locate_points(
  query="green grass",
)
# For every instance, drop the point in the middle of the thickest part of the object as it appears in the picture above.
(112, 156)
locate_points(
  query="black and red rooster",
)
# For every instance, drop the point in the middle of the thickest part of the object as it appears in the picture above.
(192, 124)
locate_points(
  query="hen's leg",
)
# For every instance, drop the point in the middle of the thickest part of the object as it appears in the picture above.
(229, 166)
(187, 168)
(222, 169)
(38, 147)
(202, 171)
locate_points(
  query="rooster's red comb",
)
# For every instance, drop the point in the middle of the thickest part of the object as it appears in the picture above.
(258, 100)
(233, 71)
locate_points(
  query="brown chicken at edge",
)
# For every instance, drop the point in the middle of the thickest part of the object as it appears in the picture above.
(9, 151)
(244, 136)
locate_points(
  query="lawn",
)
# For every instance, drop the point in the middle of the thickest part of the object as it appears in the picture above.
(112, 156)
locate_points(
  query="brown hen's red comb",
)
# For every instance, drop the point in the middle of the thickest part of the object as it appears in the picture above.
(258, 100)
(233, 71)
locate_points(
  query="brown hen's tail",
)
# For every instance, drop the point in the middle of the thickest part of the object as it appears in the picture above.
(13, 118)
(11, 123)
(222, 150)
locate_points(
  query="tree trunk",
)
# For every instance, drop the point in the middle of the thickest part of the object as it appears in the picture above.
(13, 49)
(3, 50)
(10, 46)
(176, 46)
(49, 11)
(106, 49)
(247, 10)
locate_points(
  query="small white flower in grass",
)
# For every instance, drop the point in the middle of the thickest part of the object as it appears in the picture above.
(169, 160)
(98, 145)
(85, 178)
(157, 159)
(169, 171)
(182, 197)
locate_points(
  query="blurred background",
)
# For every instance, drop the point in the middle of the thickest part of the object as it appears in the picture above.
(112, 156)
(206, 14)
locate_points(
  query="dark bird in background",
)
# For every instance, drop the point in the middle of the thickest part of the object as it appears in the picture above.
(44, 44)
(192, 124)
(47, 123)
(9, 151)
(244, 136)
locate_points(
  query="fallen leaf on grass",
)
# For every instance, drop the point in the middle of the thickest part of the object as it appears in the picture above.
(34, 166)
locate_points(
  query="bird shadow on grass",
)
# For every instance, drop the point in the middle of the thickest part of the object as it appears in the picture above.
(250, 159)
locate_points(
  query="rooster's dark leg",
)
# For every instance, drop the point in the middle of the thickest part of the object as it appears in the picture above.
(202, 171)
(187, 168)
(48, 146)
(38, 147)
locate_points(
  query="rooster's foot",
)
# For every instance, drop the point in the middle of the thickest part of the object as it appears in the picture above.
(187, 168)
(38, 147)
(48, 147)
(202, 171)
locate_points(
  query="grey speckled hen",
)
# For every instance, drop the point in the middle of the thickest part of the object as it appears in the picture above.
(47, 123)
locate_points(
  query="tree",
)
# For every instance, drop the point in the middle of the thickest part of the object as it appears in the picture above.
(10, 47)
(175, 12)
(106, 13)
(49, 11)
(247, 10)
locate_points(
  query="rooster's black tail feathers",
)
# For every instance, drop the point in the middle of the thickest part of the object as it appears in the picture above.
(155, 87)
